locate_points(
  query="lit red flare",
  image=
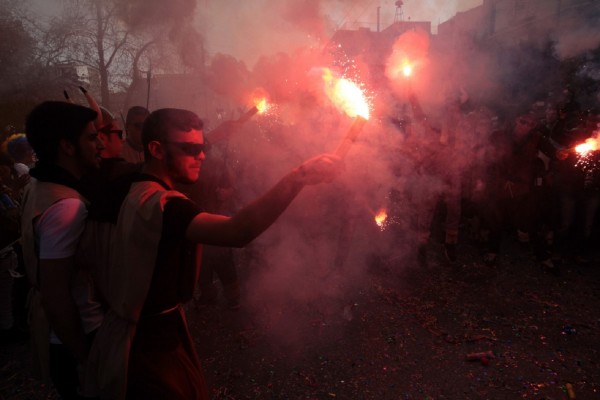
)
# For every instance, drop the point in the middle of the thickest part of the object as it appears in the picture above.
(344, 146)
(346, 95)
(261, 105)
(587, 154)
(407, 69)
(380, 218)
(409, 56)
(590, 144)
(401, 68)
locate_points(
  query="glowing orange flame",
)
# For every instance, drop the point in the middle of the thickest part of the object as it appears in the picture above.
(590, 144)
(261, 105)
(380, 218)
(346, 95)
(407, 69)
(402, 68)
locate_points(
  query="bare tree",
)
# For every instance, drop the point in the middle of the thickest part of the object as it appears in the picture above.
(104, 36)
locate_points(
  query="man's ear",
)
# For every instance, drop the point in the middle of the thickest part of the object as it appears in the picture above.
(156, 150)
(67, 147)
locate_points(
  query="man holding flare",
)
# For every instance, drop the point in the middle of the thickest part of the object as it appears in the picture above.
(144, 349)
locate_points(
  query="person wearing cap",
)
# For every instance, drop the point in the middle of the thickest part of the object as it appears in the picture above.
(64, 310)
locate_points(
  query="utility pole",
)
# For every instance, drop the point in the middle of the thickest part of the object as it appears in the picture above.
(148, 78)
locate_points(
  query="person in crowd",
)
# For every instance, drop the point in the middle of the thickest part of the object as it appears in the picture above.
(19, 149)
(112, 136)
(458, 141)
(132, 148)
(424, 185)
(578, 186)
(97, 184)
(7, 132)
(433, 182)
(528, 181)
(216, 194)
(9, 235)
(155, 267)
(65, 312)
(113, 165)
(486, 193)
(15, 179)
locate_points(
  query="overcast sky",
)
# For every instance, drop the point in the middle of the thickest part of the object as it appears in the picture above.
(249, 29)
(253, 28)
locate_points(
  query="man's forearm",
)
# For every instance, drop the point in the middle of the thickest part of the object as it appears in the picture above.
(59, 305)
(255, 218)
(63, 317)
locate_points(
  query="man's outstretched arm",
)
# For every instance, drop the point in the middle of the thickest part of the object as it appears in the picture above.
(254, 219)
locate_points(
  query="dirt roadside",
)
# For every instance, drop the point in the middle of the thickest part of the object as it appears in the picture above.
(404, 336)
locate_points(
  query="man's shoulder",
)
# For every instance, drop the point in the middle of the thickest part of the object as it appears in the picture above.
(42, 194)
(146, 192)
(53, 188)
(65, 215)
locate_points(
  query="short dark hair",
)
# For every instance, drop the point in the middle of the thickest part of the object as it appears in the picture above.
(160, 122)
(51, 121)
(135, 111)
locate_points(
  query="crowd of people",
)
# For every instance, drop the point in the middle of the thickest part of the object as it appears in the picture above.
(503, 176)
(95, 224)
(111, 250)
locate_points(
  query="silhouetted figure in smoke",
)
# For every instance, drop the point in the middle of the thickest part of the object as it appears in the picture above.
(9, 236)
(434, 178)
(578, 186)
(23, 155)
(215, 193)
(459, 140)
(528, 181)
(144, 349)
(424, 183)
(133, 150)
(486, 179)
